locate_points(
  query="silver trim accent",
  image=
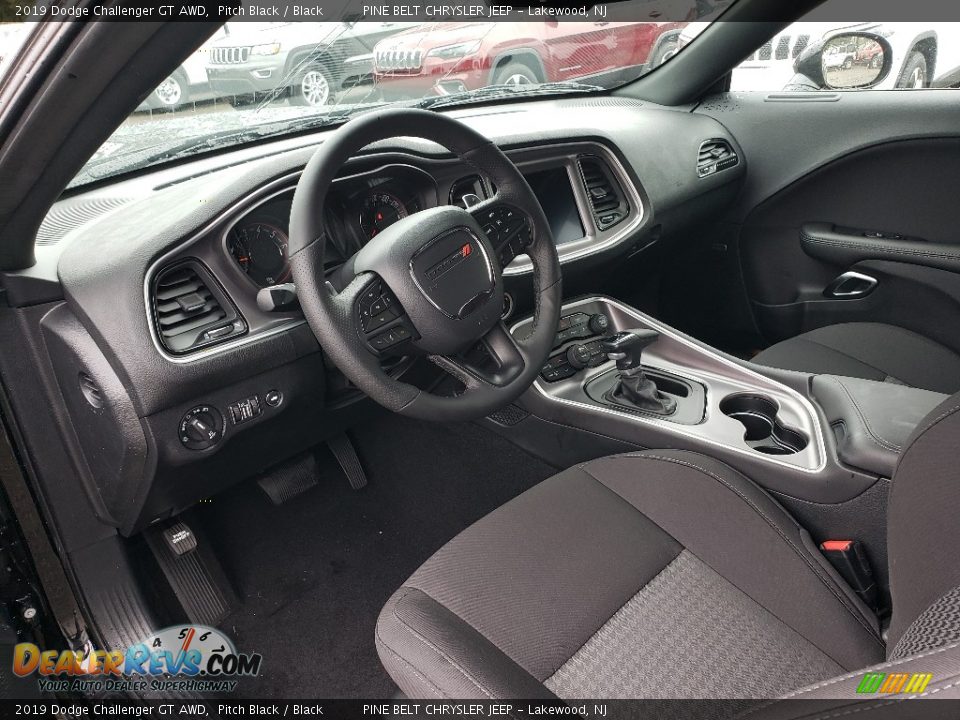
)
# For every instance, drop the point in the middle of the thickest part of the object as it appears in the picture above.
(838, 281)
(596, 240)
(763, 384)
(236, 211)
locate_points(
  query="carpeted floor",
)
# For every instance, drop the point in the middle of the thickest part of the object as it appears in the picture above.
(312, 574)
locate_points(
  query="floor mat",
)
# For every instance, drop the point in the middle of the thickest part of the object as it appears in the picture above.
(312, 574)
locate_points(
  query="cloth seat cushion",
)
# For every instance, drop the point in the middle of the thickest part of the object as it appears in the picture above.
(654, 574)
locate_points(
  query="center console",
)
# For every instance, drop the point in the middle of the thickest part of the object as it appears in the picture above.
(705, 401)
(618, 379)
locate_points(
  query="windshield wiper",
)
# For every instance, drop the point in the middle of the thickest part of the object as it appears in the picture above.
(492, 92)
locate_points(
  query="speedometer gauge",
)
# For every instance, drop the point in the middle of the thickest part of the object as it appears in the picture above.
(260, 250)
(379, 211)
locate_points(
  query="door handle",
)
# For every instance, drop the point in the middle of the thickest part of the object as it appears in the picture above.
(850, 286)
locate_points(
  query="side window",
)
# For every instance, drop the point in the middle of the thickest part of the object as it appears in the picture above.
(12, 36)
(854, 56)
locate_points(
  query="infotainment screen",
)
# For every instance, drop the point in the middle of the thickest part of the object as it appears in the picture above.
(553, 190)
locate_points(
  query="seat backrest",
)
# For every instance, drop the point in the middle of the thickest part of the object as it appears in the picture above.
(923, 536)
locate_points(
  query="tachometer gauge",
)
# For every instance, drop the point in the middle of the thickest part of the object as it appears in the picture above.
(379, 211)
(260, 250)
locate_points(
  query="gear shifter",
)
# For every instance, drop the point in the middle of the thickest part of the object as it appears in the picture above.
(634, 388)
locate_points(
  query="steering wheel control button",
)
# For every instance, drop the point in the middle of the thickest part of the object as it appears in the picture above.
(507, 231)
(201, 428)
(273, 398)
(391, 337)
(245, 410)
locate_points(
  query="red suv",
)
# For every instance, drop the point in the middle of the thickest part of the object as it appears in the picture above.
(452, 57)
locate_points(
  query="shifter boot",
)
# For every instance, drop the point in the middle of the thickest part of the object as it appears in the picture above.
(637, 390)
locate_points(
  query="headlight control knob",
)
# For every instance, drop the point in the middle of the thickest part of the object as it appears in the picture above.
(201, 428)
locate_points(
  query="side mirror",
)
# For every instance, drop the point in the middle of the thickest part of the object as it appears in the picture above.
(848, 61)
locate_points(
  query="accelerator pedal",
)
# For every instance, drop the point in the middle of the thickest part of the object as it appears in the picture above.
(193, 571)
(290, 479)
(346, 455)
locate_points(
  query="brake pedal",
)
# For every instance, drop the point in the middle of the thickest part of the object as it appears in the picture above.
(342, 448)
(290, 479)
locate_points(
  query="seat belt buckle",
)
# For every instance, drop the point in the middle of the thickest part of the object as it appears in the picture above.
(849, 559)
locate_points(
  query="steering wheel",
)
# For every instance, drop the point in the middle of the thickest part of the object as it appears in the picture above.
(432, 282)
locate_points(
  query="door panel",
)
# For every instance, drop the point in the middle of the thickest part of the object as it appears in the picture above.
(854, 185)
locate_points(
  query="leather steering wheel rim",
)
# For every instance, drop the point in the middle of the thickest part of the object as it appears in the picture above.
(438, 328)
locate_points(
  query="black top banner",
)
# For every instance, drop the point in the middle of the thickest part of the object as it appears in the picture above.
(286, 11)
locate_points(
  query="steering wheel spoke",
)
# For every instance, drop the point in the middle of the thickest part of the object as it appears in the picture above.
(378, 316)
(494, 360)
(506, 227)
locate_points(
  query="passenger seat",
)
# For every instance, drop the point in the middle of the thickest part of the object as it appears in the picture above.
(873, 351)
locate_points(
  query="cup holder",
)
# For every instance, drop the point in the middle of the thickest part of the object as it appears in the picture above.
(764, 431)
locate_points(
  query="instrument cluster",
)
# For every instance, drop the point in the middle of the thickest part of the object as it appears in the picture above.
(357, 209)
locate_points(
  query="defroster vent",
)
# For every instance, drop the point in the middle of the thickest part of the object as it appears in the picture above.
(190, 309)
(607, 200)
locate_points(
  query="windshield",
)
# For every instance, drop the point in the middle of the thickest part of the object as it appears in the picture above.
(253, 80)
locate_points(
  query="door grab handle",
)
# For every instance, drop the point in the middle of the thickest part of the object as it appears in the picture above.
(850, 285)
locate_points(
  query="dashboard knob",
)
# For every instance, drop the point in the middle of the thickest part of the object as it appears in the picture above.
(599, 324)
(201, 428)
(578, 356)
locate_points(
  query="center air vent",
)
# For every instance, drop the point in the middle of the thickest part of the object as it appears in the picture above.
(606, 196)
(715, 155)
(191, 310)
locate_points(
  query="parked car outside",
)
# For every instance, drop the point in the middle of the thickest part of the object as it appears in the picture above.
(188, 84)
(306, 62)
(923, 56)
(443, 58)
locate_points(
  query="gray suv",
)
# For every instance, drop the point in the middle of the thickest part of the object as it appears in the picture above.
(306, 62)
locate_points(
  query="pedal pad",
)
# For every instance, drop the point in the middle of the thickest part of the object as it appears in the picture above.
(290, 479)
(193, 571)
(180, 539)
(346, 455)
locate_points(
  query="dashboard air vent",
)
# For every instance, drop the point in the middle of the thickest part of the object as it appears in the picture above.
(190, 309)
(606, 196)
(715, 155)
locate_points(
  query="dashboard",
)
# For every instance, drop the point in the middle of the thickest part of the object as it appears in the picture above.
(583, 190)
(149, 299)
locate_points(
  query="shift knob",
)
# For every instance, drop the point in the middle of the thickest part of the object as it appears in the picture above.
(626, 348)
